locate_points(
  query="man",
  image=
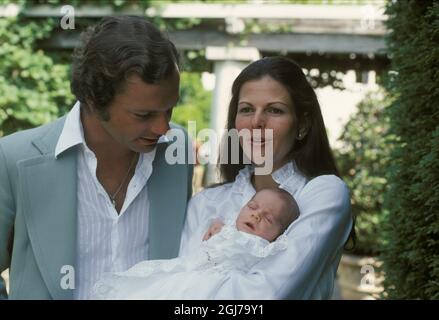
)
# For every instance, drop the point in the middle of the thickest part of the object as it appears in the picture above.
(91, 192)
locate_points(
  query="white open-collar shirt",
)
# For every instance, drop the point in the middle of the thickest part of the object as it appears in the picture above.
(307, 268)
(106, 241)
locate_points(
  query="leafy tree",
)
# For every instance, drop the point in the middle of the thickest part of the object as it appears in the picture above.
(195, 102)
(32, 85)
(363, 160)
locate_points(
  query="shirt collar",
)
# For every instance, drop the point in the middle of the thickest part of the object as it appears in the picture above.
(72, 133)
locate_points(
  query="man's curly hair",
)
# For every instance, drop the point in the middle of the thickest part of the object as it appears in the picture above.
(114, 49)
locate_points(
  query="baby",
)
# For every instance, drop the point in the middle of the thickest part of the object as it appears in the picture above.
(226, 248)
(267, 215)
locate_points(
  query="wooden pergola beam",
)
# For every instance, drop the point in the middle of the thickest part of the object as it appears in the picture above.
(289, 43)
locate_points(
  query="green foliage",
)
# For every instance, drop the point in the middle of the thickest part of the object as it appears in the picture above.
(363, 161)
(195, 102)
(411, 255)
(32, 85)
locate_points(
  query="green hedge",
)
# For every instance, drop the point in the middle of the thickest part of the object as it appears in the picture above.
(411, 255)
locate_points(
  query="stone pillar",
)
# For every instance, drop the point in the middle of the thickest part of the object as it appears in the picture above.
(228, 63)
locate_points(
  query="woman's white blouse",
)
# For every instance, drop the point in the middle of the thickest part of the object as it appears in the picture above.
(307, 268)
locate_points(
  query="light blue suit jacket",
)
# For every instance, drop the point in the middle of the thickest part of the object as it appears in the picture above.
(38, 211)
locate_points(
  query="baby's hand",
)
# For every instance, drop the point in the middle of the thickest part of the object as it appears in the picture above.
(213, 229)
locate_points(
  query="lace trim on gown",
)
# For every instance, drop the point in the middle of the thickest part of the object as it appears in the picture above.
(253, 244)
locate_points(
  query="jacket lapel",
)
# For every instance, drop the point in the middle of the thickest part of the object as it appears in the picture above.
(168, 198)
(48, 191)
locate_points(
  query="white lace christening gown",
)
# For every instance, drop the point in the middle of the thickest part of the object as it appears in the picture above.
(197, 276)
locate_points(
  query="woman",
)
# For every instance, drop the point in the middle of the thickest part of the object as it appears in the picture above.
(273, 93)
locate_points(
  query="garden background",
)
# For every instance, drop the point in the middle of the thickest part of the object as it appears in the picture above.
(387, 145)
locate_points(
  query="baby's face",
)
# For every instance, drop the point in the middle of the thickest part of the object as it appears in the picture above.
(265, 215)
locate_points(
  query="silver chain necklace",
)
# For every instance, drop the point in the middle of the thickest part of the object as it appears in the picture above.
(113, 197)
